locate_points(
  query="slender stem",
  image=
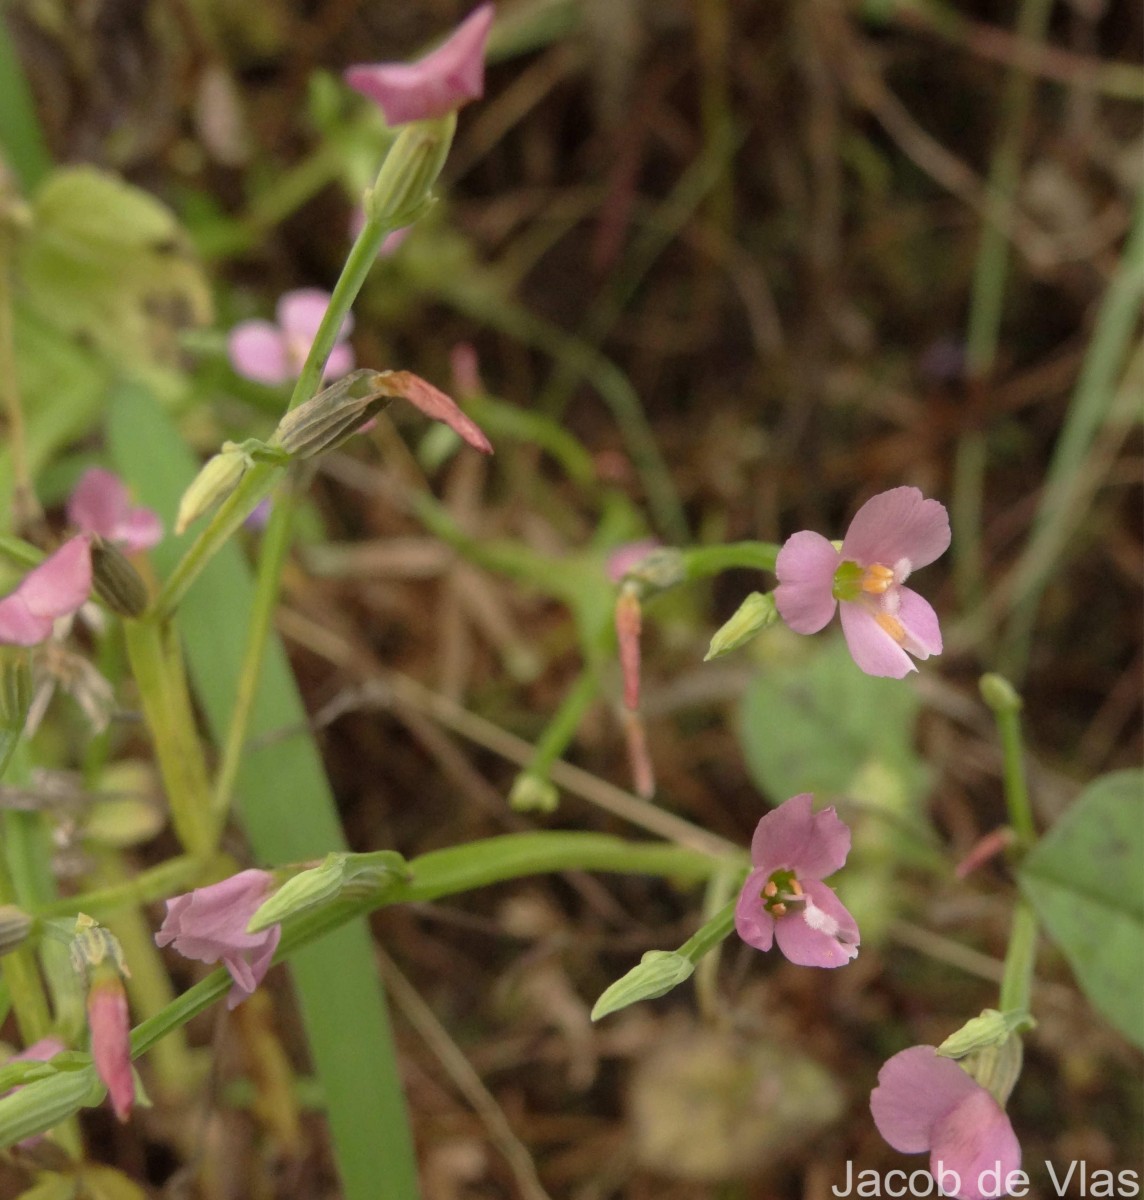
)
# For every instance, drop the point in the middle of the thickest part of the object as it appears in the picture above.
(1005, 702)
(275, 546)
(1017, 982)
(713, 932)
(156, 883)
(25, 987)
(561, 728)
(156, 664)
(702, 561)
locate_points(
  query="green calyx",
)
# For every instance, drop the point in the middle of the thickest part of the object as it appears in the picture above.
(847, 581)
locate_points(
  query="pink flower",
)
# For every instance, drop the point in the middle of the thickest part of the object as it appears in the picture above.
(891, 535)
(56, 588)
(209, 924)
(110, 1026)
(100, 504)
(784, 898)
(269, 353)
(442, 81)
(925, 1102)
(630, 554)
(435, 405)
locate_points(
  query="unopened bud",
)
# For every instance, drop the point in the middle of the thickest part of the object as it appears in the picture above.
(116, 581)
(657, 571)
(752, 616)
(530, 793)
(95, 950)
(997, 1068)
(999, 693)
(334, 414)
(15, 925)
(656, 974)
(338, 874)
(217, 479)
(402, 190)
(988, 1031)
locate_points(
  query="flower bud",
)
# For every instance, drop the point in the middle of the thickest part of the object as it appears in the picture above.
(752, 616)
(15, 925)
(997, 1067)
(334, 414)
(530, 793)
(999, 693)
(402, 190)
(336, 875)
(657, 571)
(656, 974)
(989, 1030)
(116, 581)
(217, 479)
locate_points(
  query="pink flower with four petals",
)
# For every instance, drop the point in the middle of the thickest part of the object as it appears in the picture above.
(209, 925)
(439, 83)
(884, 622)
(784, 898)
(275, 353)
(926, 1102)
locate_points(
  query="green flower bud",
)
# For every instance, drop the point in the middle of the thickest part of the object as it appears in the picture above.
(655, 975)
(986, 1031)
(15, 925)
(752, 616)
(997, 1068)
(999, 693)
(334, 414)
(530, 793)
(337, 875)
(402, 190)
(116, 581)
(217, 479)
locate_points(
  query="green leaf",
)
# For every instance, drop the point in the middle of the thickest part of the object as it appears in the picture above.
(817, 725)
(1085, 878)
(289, 814)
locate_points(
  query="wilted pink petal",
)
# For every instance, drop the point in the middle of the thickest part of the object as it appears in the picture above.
(257, 351)
(209, 925)
(442, 81)
(436, 404)
(784, 898)
(926, 1102)
(628, 623)
(56, 588)
(883, 621)
(111, 1043)
(100, 504)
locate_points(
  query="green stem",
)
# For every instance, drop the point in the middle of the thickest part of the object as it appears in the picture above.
(562, 726)
(156, 664)
(1005, 702)
(175, 875)
(21, 974)
(1017, 981)
(275, 547)
(712, 934)
(699, 562)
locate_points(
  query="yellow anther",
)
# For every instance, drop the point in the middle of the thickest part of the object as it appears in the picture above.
(770, 890)
(892, 626)
(778, 910)
(795, 888)
(877, 579)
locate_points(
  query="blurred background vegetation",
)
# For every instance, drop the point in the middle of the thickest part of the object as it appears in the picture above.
(729, 269)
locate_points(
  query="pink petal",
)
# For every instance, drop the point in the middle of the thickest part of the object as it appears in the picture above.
(753, 923)
(19, 627)
(211, 920)
(630, 554)
(139, 530)
(923, 633)
(340, 362)
(98, 503)
(61, 583)
(301, 311)
(792, 837)
(821, 933)
(42, 1051)
(916, 1089)
(435, 404)
(110, 1044)
(871, 647)
(805, 568)
(249, 969)
(257, 351)
(895, 525)
(973, 1138)
(442, 81)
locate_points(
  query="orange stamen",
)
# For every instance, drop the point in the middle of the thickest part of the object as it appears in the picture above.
(877, 579)
(892, 626)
